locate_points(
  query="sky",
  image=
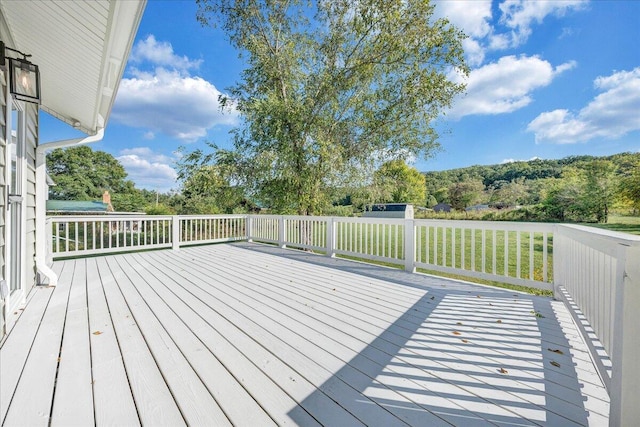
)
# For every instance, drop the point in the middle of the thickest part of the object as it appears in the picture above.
(548, 79)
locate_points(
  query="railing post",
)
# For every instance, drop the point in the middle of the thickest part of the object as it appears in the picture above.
(282, 235)
(557, 262)
(409, 246)
(625, 376)
(331, 237)
(249, 227)
(175, 228)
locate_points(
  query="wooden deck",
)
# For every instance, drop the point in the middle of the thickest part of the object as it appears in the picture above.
(251, 335)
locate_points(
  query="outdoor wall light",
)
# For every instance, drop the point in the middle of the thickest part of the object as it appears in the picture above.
(24, 77)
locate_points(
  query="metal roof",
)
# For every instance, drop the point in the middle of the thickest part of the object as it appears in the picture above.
(76, 206)
(81, 48)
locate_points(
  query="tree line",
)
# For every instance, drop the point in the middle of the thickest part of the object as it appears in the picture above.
(578, 188)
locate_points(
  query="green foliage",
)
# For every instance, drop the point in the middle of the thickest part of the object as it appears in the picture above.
(207, 188)
(629, 186)
(577, 188)
(400, 183)
(465, 193)
(329, 88)
(81, 173)
(599, 190)
(159, 209)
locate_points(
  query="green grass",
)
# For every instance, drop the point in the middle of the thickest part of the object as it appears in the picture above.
(621, 223)
(356, 238)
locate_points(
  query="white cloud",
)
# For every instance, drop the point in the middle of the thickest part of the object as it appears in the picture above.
(148, 169)
(505, 161)
(611, 114)
(471, 16)
(167, 99)
(160, 53)
(169, 103)
(511, 29)
(519, 15)
(505, 86)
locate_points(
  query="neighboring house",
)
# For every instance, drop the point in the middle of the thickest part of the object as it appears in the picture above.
(79, 51)
(442, 207)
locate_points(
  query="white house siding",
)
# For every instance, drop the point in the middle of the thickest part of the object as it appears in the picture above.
(31, 111)
(3, 196)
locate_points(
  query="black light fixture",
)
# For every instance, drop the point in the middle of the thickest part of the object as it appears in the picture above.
(24, 77)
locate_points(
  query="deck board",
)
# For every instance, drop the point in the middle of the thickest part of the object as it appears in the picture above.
(249, 334)
(73, 403)
(32, 405)
(113, 401)
(17, 345)
(154, 402)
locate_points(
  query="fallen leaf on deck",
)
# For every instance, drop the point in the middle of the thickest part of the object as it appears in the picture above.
(503, 371)
(456, 333)
(554, 363)
(478, 296)
(465, 341)
(97, 332)
(498, 321)
(556, 350)
(459, 323)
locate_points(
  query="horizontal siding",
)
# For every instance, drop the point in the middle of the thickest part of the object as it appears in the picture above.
(31, 111)
(3, 196)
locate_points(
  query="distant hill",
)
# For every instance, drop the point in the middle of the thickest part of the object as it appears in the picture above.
(496, 175)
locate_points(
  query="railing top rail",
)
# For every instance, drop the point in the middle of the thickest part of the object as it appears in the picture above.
(600, 234)
(80, 218)
(369, 220)
(212, 216)
(490, 225)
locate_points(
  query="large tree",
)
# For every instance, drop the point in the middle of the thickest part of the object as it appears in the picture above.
(400, 183)
(331, 87)
(81, 173)
(599, 189)
(629, 186)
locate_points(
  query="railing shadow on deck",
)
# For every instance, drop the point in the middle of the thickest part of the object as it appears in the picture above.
(466, 354)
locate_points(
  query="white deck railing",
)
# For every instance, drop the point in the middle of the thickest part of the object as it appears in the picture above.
(597, 273)
(82, 235)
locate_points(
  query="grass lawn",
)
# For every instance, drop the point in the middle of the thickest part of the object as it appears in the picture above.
(623, 224)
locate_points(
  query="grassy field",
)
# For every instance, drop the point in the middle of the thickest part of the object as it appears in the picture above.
(623, 224)
(444, 247)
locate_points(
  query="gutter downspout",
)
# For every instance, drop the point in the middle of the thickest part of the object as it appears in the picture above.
(42, 189)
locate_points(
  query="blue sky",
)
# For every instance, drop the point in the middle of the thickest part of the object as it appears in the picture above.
(548, 79)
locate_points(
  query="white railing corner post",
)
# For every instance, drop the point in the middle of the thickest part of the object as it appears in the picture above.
(282, 234)
(625, 377)
(409, 246)
(331, 237)
(175, 235)
(249, 227)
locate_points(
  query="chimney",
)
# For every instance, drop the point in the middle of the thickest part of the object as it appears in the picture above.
(106, 199)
